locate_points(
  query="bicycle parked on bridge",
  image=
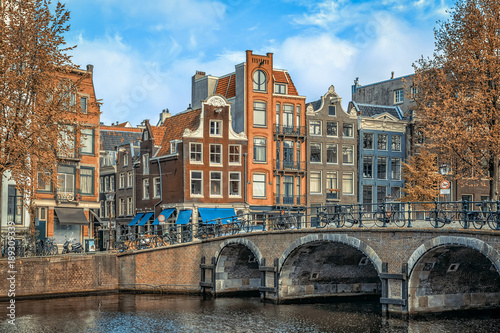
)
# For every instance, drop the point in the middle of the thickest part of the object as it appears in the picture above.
(328, 219)
(389, 213)
(484, 215)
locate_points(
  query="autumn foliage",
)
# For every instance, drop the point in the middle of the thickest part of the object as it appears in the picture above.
(458, 89)
(421, 178)
(33, 58)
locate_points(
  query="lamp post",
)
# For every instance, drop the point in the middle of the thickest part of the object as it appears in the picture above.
(110, 197)
(444, 170)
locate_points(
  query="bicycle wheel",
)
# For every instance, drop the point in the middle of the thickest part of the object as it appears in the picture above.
(494, 221)
(437, 219)
(479, 223)
(349, 220)
(381, 218)
(397, 218)
(54, 249)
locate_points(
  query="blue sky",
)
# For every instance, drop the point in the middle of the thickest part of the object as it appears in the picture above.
(145, 52)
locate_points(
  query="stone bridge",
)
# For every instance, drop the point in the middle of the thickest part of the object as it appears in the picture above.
(411, 270)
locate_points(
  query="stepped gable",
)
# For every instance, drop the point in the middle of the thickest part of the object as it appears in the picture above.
(174, 128)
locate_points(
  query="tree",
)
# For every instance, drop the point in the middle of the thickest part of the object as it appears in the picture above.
(421, 178)
(33, 61)
(457, 100)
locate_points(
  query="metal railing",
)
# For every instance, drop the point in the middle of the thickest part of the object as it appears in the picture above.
(289, 130)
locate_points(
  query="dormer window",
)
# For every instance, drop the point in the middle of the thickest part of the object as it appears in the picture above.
(173, 146)
(279, 88)
(145, 136)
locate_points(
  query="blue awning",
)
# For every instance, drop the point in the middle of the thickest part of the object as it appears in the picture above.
(145, 219)
(184, 216)
(210, 215)
(135, 219)
(164, 215)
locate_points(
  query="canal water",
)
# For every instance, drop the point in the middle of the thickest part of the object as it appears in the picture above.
(160, 313)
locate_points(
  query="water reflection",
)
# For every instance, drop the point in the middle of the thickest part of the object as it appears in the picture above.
(157, 313)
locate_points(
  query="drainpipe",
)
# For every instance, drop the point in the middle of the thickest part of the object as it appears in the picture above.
(245, 177)
(161, 193)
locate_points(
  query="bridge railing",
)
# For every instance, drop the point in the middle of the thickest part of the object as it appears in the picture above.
(393, 214)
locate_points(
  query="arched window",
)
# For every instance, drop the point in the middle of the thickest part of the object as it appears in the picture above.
(259, 80)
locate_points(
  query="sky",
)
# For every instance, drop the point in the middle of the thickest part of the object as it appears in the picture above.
(145, 52)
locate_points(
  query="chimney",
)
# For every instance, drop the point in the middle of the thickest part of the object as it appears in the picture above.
(392, 75)
(199, 74)
(90, 68)
(163, 116)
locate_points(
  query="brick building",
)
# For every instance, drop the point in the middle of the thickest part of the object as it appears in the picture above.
(266, 106)
(64, 210)
(331, 151)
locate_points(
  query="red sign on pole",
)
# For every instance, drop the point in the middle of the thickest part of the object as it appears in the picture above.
(445, 184)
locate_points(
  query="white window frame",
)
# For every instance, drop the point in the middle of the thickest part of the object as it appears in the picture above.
(337, 153)
(232, 154)
(336, 126)
(399, 96)
(213, 182)
(259, 111)
(196, 153)
(231, 181)
(215, 154)
(122, 207)
(344, 188)
(313, 176)
(122, 180)
(399, 147)
(216, 130)
(156, 187)
(320, 152)
(145, 189)
(315, 127)
(125, 159)
(145, 164)
(130, 206)
(352, 156)
(264, 147)
(130, 179)
(198, 180)
(254, 182)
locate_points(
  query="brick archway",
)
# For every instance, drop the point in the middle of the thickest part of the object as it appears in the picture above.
(338, 238)
(474, 243)
(240, 241)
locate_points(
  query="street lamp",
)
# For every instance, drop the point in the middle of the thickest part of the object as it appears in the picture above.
(110, 197)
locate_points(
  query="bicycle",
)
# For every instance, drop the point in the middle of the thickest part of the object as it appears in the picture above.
(350, 220)
(392, 215)
(327, 219)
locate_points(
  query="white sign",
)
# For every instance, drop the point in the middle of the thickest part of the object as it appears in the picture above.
(445, 191)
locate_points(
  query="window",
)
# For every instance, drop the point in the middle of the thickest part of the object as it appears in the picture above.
(331, 184)
(66, 180)
(348, 183)
(259, 81)
(316, 152)
(145, 188)
(382, 141)
(196, 183)
(287, 118)
(382, 167)
(87, 181)
(398, 96)
(215, 128)
(234, 184)
(396, 143)
(368, 197)
(125, 159)
(315, 182)
(83, 104)
(348, 154)
(259, 150)
(367, 166)
(106, 184)
(315, 127)
(396, 192)
(112, 183)
(331, 154)
(395, 168)
(381, 193)
(130, 178)
(331, 128)
(157, 187)
(279, 88)
(15, 205)
(66, 143)
(196, 152)
(43, 186)
(259, 185)
(87, 141)
(215, 154)
(121, 208)
(332, 110)
(145, 164)
(259, 114)
(348, 130)
(413, 92)
(234, 154)
(130, 206)
(368, 140)
(215, 183)
(121, 183)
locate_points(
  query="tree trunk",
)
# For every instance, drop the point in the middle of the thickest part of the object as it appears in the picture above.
(493, 166)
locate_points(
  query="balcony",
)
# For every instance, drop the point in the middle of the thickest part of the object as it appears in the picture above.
(289, 166)
(289, 131)
(294, 200)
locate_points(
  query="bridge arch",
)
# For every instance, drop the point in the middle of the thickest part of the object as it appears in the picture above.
(337, 238)
(453, 273)
(328, 265)
(237, 266)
